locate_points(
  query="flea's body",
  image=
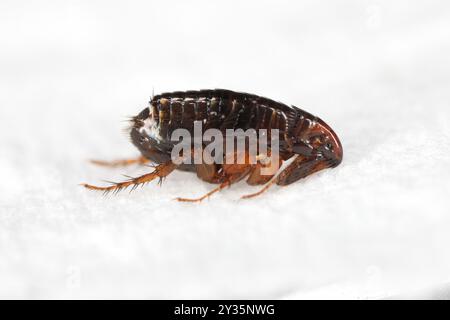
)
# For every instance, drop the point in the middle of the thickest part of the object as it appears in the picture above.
(301, 135)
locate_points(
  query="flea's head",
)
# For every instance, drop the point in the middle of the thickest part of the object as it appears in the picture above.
(145, 136)
(320, 141)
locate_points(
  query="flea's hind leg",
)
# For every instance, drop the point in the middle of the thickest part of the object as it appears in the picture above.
(161, 171)
(264, 189)
(257, 177)
(263, 171)
(121, 162)
(298, 169)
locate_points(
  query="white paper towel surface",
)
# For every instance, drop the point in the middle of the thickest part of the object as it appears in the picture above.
(376, 226)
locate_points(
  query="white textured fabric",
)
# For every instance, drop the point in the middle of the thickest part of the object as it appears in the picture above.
(376, 226)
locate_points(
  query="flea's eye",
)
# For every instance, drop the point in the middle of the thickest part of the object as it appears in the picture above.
(329, 146)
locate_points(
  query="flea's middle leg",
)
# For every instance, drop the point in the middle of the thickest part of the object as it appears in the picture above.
(230, 176)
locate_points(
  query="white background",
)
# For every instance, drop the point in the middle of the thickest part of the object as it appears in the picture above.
(376, 226)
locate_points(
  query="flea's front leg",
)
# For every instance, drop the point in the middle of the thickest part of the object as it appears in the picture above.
(120, 162)
(161, 171)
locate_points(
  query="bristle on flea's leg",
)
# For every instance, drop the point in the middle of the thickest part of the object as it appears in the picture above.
(161, 171)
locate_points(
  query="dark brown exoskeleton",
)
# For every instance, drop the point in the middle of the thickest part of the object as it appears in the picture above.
(304, 139)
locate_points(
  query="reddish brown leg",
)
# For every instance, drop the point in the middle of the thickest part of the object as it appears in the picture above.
(257, 178)
(264, 189)
(207, 195)
(230, 174)
(298, 169)
(120, 163)
(161, 171)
